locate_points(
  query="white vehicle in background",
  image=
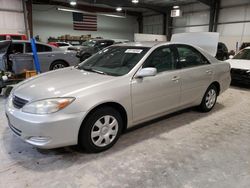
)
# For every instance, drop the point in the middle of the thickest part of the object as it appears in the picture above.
(64, 45)
(240, 66)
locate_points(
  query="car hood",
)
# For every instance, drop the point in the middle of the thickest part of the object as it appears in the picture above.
(239, 64)
(60, 83)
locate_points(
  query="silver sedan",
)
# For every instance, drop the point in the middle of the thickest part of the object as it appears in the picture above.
(119, 87)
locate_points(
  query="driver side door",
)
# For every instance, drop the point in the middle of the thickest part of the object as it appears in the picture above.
(154, 96)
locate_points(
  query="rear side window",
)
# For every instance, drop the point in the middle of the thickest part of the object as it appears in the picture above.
(39, 48)
(43, 48)
(190, 57)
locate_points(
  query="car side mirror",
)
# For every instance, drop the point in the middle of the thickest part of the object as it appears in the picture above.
(231, 57)
(146, 72)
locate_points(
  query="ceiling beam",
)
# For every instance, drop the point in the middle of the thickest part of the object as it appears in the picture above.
(129, 4)
(87, 8)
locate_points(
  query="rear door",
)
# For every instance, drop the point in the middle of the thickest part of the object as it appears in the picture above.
(196, 74)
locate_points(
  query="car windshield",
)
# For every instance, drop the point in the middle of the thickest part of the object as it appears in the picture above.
(244, 54)
(90, 43)
(115, 60)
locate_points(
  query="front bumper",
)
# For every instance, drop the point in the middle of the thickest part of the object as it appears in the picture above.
(45, 131)
(241, 76)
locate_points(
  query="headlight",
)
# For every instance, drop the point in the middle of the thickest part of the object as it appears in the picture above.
(47, 106)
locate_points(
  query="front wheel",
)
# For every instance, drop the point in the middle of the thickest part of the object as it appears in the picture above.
(209, 99)
(101, 130)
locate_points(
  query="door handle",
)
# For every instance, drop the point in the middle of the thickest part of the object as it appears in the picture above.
(175, 78)
(209, 71)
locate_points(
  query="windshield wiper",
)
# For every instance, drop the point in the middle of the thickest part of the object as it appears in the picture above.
(94, 70)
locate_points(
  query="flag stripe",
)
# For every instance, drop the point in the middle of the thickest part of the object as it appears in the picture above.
(84, 22)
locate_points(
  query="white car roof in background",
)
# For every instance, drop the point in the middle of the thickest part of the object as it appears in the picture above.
(208, 41)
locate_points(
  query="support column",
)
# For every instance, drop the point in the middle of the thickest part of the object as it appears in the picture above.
(29, 17)
(140, 23)
(169, 25)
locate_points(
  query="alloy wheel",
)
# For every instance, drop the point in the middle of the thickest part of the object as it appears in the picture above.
(210, 98)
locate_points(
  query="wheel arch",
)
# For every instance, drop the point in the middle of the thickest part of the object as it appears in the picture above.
(58, 60)
(217, 85)
(114, 105)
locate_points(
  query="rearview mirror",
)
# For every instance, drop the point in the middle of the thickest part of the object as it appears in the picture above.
(146, 72)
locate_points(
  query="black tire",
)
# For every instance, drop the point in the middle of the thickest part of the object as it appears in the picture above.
(85, 139)
(58, 65)
(1, 90)
(205, 106)
(84, 57)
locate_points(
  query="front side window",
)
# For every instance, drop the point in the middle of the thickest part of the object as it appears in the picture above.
(243, 54)
(190, 57)
(115, 60)
(162, 59)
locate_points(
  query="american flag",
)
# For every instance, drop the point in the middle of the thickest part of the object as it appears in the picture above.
(84, 22)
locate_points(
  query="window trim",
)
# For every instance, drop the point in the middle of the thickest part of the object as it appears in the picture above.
(193, 48)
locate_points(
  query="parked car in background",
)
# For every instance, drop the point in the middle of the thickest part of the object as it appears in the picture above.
(120, 86)
(62, 45)
(13, 37)
(240, 66)
(92, 46)
(244, 45)
(222, 52)
(50, 57)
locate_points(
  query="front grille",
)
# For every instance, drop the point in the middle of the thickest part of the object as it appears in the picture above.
(19, 102)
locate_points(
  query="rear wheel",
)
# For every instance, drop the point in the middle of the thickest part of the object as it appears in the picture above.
(101, 130)
(209, 99)
(58, 65)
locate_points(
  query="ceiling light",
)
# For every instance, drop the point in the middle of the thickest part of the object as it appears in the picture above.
(72, 2)
(119, 9)
(175, 7)
(135, 1)
(91, 13)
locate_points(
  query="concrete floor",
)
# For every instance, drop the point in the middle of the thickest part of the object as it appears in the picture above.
(188, 150)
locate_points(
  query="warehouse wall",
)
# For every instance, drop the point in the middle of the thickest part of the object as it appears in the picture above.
(12, 18)
(230, 34)
(152, 23)
(47, 21)
(238, 32)
(194, 14)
